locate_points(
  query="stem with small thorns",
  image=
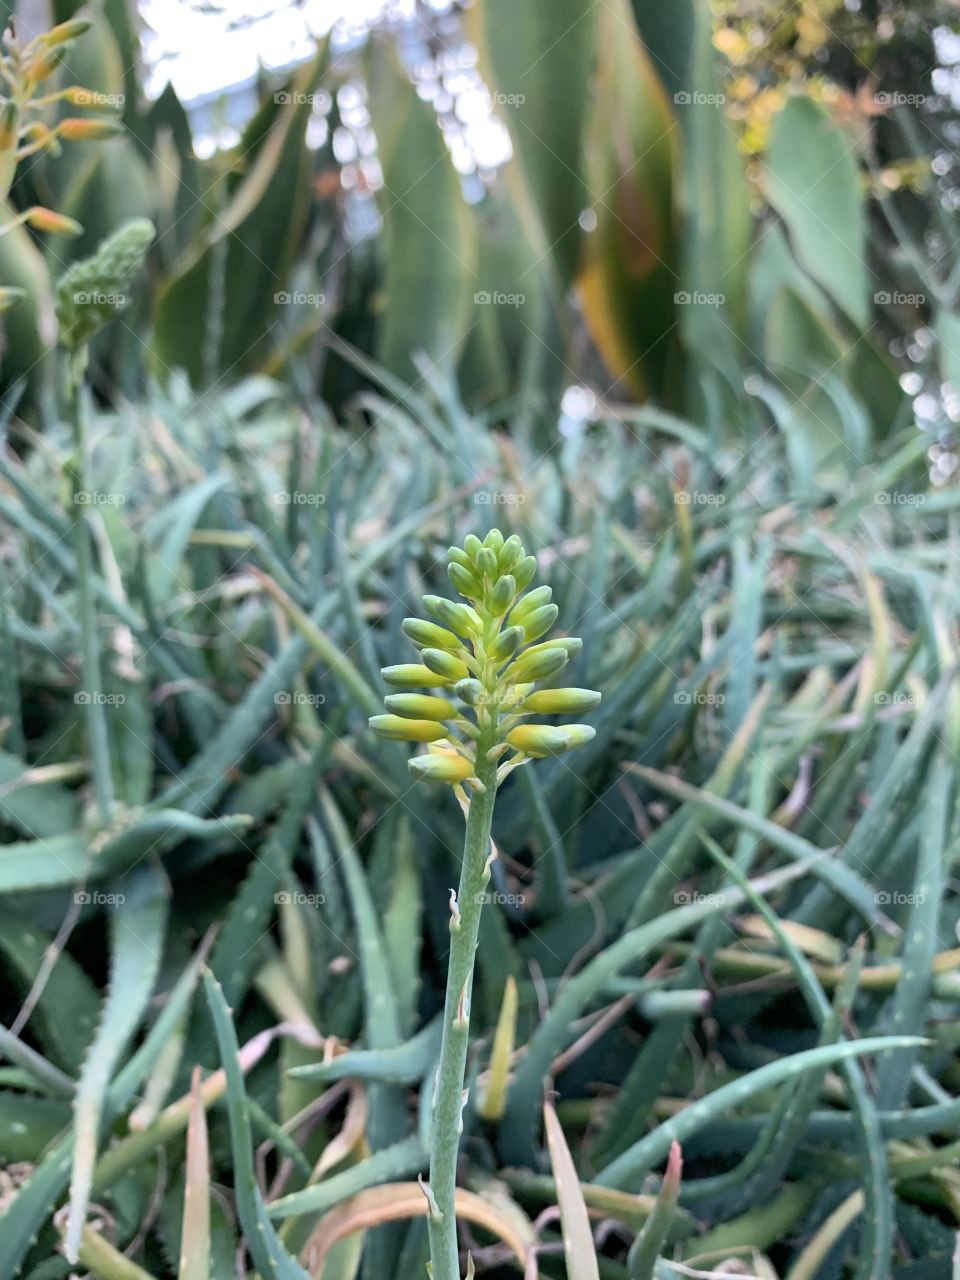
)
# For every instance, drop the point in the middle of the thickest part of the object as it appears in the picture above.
(464, 931)
(86, 605)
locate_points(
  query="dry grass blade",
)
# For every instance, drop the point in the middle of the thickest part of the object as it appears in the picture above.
(578, 1245)
(195, 1237)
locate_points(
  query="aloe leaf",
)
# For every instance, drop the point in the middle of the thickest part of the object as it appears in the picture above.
(22, 1219)
(389, 1164)
(551, 1036)
(268, 1253)
(645, 1250)
(67, 1008)
(640, 1158)
(909, 1006)
(405, 1063)
(137, 933)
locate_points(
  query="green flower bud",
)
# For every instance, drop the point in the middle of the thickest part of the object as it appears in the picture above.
(501, 597)
(443, 767)
(458, 617)
(524, 571)
(428, 634)
(529, 603)
(571, 645)
(536, 665)
(464, 581)
(419, 706)
(551, 702)
(549, 740)
(487, 562)
(455, 555)
(494, 540)
(445, 664)
(472, 546)
(65, 31)
(411, 675)
(509, 553)
(399, 729)
(539, 622)
(470, 690)
(506, 644)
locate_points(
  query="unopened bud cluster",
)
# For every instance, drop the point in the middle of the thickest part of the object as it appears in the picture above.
(23, 101)
(488, 652)
(93, 290)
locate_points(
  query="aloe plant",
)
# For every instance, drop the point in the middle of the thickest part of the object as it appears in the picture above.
(490, 653)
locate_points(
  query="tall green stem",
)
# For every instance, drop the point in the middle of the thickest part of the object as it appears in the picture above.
(448, 1103)
(90, 648)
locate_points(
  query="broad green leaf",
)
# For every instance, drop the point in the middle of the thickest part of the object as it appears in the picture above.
(811, 179)
(224, 306)
(538, 60)
(429, 237)
(629, 276)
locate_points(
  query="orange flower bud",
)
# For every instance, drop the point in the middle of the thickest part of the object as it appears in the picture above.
(9, 126)
(48, 220)
(75, 129)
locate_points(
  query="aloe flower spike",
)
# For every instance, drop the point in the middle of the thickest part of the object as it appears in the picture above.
(480, 652)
